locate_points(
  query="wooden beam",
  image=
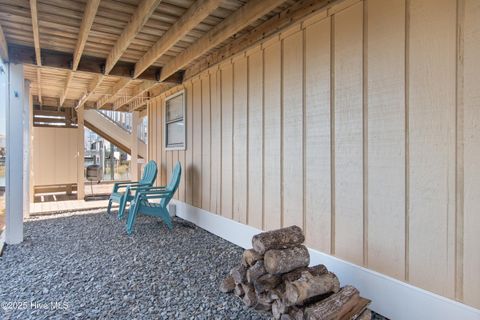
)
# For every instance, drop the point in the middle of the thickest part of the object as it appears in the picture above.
(139, 18)
(89, 15)
(240, 19)
(65, 89)
(39, 85)
(110, 96)
(36, 41)
(91, 90)
(301, 10)
(3, 46)
(61, 60)
(194, 16)
(138, 92)
(36, 35)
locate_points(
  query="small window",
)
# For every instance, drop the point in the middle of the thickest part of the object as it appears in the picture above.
(175, 122)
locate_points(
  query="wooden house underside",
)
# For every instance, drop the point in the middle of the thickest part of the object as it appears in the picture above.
(118, 54)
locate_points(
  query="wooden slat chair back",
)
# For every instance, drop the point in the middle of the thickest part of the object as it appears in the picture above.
(141, 203)
(123, 197)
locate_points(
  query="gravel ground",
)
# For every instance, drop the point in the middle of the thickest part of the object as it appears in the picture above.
(84, 266)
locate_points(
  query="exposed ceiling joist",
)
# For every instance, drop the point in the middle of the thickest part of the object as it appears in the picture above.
(3, 46)
(113, 92)
(36, 35)
(192, 18)
(36, 41)
(61, 60)
(299, 11)
(90, 11)
(240, 19)
(139, 18)
(139, 91)
(91, 90)
(39, 85)
(67, 86)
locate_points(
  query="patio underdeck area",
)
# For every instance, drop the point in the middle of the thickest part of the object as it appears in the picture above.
(83, 265)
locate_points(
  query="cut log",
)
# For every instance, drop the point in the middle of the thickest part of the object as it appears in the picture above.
(250, 297)
(366, 315)
(239, 290)
(261, 306)
(256, 271)
(228, 284)
(278, 239)
(279, 308)
(296, 313)
(264, 298)
(277, 292)
(286, 260)
(359, 308)
(239, 274)
(334, 307)
(266, 282)
(251, 256)
(295, 274)
(308, 286)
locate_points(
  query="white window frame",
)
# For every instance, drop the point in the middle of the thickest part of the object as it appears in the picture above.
(184, 147)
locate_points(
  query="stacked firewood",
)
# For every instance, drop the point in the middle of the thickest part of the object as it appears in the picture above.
(274, 276)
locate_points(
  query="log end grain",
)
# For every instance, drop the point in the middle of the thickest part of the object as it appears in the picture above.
(227, 284)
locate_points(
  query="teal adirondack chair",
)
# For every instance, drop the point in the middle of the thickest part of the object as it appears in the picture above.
(141, 203)
(122, 197)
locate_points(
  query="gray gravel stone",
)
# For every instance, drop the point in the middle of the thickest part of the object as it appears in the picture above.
(85, 266)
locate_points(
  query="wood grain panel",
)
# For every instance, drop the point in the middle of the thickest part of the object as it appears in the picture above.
(227, 140)
(348, 134)
(293, 130)
(174, 161)
(255, 139)
(471, 237)
(189, 152)
(163, 153)
(206, 125)
(54, 156)
(432, 144)
(386, 137)
(216, 139)
(272, 136)
(240, 101)
(197, 144)
(317, 136)
(181, 187)
(169, 167)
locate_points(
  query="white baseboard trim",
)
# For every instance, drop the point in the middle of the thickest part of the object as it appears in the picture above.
(390, 297)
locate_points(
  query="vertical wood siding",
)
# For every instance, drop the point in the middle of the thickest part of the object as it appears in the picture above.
(360, 125)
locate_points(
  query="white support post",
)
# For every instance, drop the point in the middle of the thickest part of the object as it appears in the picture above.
(80, 155)
(15, 156)
(32, 174)
(134, 146)
(27, 120)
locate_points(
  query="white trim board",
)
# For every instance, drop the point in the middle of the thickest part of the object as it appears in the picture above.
(390, 297)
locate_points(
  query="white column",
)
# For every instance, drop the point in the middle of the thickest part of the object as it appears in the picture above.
(32, 174)
(27, 120)
(80, 155)
(15, 156)
(134, 147)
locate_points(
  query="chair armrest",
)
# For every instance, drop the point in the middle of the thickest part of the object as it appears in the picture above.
(140, 186)
(152, 194)
(118, 185)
